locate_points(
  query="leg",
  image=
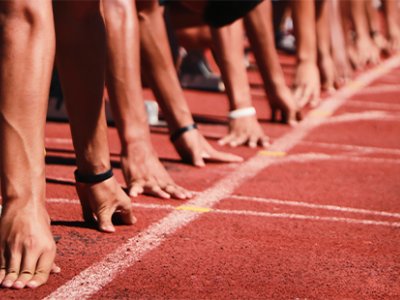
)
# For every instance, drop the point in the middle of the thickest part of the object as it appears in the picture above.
(26, 60)
(81, 65)
(142, 169)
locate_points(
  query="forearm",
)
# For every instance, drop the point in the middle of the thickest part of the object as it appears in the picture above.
(359, 18)
(228, 48)
(322, 26)
(81, 64)
(305, 30)
(123, 70)
(258, 24)
(158, 65)
(27, 56)
(391, 10)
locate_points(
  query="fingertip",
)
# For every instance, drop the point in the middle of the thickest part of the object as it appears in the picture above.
(107, 228)
(18, 285)
(55, 269)
(7, 283)
(33, 284)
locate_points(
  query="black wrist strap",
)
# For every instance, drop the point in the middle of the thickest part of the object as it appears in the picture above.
(84, 178)
(177, 133)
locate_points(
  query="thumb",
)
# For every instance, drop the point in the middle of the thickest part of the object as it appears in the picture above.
(104, 220)
(198, 160)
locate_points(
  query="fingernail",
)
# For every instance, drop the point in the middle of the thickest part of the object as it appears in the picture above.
(7, 283)
(32, 284)
(18, 285)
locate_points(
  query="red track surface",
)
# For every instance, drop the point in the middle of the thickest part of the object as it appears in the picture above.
(320, 220)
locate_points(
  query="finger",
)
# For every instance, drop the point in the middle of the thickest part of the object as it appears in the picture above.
(104, 218)
(239, 140)
(218, 156)
(265, 142)
(43, 268)
(27, 270)
(198, 160)
(2, 265)
(157, 191)
(176, 192)
(55, 269)
(136, 189)
(124, 214)
(306, 96)
(226, 140)
(253, 141)
(86, 211)
(12, 270)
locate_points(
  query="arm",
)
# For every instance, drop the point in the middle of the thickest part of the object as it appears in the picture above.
(307, 81)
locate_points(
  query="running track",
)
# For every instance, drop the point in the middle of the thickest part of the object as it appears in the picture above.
(317, 215)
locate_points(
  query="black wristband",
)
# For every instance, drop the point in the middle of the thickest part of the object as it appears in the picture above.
(83, 178)
(177, 133)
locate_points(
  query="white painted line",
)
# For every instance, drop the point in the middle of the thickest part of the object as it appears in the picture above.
(275, 215)
(380, 89)
(373, 105)
(364, 116)
(307, 217)
(95, 277)
(312, 156)
(318, 206)
(362, 149)
(65, 141)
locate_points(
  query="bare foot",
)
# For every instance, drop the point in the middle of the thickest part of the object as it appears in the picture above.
(104, 202)
(144, 173)
(26, 244)
(245, 130)
(194, 149)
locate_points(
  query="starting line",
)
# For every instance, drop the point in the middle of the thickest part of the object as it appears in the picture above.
(95, 277)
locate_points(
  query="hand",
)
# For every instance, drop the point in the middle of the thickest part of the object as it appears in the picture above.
(144, 173)
(104, 202)
(27, 246)
(194, 148)
(307, 84)
(245, 130)
(281, 100)
(328, 73)
(394, 41)
(367, 52)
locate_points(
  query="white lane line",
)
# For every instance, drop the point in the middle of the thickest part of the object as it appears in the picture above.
(312, 156)
(307, 217)
(268, 214)
(363, 149)
(373, 105)
(95, 277)
(380, 89)
(317, 206)
(64, 141)
(373, 115)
